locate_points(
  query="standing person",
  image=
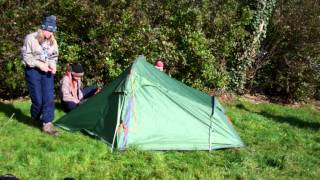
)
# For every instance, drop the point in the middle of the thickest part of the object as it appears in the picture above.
(40, 56)
(72, 94)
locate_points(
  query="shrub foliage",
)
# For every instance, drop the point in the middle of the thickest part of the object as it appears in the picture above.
(290, 67)
(210, 45)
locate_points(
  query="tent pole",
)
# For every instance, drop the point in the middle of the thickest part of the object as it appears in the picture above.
(210, 134)
(120, 106)
(213, 105)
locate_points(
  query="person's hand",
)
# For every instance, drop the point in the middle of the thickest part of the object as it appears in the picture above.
(82, 101)
(97, 91)
(53, 68)
(44, 67)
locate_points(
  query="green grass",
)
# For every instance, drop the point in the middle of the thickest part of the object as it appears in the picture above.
(281, 143)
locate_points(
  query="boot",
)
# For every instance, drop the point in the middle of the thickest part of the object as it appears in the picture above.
(49, 129)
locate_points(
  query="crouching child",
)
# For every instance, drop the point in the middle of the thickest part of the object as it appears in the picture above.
(71, 92)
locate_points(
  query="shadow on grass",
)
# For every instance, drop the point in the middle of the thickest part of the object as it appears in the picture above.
(291, 120)
(59, 106)
(16, 113)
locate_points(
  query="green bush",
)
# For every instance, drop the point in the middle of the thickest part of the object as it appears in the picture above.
(210, 45)
(197, 39)
(291, 69)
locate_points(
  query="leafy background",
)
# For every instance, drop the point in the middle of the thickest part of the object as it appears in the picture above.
(239, 46)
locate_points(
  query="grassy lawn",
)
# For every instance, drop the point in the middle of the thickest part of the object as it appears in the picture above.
(281, 143)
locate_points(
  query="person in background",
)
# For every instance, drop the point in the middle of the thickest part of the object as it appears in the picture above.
(40, 56)
(71, 91)
(159, 64)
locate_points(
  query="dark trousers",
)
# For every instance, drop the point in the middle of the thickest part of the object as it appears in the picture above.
(86, 91)
(41, 90)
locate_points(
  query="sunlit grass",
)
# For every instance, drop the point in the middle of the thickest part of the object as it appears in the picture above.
(281, 143)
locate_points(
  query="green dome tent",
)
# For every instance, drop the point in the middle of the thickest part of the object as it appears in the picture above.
(147, 108)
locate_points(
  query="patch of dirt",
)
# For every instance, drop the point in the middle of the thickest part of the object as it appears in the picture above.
(226, 97)
(22, 98)
(256, 98)
(223, 96)
(316, 104)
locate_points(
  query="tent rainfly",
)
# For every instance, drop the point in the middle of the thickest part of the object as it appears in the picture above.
(147, 108)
